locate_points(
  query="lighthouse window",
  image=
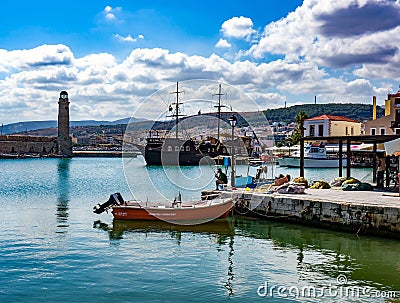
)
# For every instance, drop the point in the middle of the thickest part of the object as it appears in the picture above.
(169, 148)
(187, 148)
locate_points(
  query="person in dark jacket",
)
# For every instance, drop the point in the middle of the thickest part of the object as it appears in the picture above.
(221, 178)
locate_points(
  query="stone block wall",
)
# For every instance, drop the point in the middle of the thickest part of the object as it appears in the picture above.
(354, 217)
(28, 145)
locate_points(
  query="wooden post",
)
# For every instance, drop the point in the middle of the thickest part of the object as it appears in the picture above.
(374, 163)
(348, 159)
(340, 158)
(302, 157)
(387, 171)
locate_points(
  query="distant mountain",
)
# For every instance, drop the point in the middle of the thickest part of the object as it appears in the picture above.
(360, 112)
(35, 125)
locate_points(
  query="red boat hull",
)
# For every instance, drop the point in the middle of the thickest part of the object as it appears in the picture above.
(180, 214)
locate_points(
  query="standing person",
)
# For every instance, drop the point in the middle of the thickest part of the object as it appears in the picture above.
(381, 168)
(221, 178)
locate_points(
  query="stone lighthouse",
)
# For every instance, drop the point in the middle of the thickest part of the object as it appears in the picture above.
(63, 138)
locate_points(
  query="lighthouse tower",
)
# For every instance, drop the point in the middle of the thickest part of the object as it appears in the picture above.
(63, 138)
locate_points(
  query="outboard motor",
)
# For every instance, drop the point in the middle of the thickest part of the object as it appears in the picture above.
(115, 199)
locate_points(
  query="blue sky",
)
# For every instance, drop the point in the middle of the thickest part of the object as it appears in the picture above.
(111, 55)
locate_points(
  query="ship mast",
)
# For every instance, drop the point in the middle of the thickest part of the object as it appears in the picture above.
(219, 108)
(176, 113)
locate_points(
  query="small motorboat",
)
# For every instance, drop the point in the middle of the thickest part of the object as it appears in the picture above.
(177, 212)
(315, 156)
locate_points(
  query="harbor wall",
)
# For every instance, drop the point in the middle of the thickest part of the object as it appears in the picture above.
(27, 144)
(351, 216)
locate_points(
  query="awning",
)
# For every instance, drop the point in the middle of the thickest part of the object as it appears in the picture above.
(393, 147)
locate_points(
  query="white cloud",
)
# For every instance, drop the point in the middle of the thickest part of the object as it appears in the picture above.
(125, 39)
(39, 57)
(222, 43)
(101, 87)
(335, 34)
(111, 13)
(128, 38)
(238, 27)
(110, 16)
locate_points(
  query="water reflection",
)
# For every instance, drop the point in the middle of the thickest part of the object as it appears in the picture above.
(63, 195)
(366, 261)
(221, 231)
(319, 256)
(231, 275)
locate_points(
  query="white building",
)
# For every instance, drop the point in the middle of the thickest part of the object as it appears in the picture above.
(330, 125)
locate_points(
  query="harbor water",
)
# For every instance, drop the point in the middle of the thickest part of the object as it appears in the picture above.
(54, 248)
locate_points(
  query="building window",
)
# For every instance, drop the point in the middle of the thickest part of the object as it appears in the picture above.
(321, 130)
(347, 131)
(397, 131)
(382, 131)
(312, 130)
(169, 148)
(352, 131)
(373, 131)
(187, 148)
(176, 148)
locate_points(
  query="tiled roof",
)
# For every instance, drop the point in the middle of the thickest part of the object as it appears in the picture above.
(333, 118)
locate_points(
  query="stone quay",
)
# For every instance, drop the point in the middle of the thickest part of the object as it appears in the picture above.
(360, 212)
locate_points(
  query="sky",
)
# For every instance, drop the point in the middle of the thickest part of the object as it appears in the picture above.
(112, 55)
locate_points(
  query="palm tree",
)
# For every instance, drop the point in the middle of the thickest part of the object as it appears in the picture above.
(299, 131)
(300, 117)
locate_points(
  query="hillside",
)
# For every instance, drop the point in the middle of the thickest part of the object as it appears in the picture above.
(20, 127)
(360, 112)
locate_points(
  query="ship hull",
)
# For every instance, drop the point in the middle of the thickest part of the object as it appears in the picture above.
(311, 162)
(176, 152)
(189, 214)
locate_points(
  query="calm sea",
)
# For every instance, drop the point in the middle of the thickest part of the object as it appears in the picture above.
(54, 249)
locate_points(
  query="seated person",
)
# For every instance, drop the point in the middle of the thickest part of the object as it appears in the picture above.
(281, 180)
(221, 178)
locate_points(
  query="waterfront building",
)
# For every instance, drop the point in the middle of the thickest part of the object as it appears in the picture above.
(330, 125)
(388, 124)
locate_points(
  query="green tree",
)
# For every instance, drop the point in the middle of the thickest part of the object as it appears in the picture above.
(298, 133)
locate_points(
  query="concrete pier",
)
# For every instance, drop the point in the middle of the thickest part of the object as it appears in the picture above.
(360, 212)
